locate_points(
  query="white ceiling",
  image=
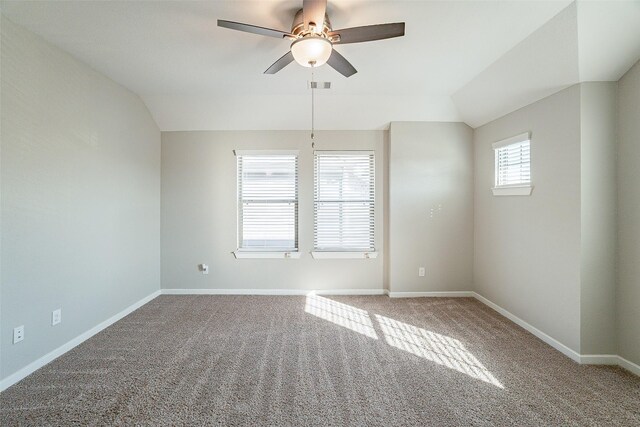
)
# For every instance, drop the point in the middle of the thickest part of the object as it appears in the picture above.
(194, 75)
(586, 41)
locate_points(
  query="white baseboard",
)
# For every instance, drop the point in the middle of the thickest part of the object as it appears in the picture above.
(599, 359)
(535, 331)
(610, 359)
(272, 291)
(39, 363)
(629, 366)
(435, 294)
(349, 292)
(584, 359)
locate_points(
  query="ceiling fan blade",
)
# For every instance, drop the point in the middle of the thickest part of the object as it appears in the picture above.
(285, 60)
(254, 29)
(340, 64)
(368, 33)
(314, 11)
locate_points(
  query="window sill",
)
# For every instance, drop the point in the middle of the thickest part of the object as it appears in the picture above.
(521, 190)
(343, 255)
(266, 255)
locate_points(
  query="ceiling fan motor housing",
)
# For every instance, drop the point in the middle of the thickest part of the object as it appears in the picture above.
(297, 28)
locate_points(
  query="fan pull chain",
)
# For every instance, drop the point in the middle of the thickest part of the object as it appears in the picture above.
(313, 144)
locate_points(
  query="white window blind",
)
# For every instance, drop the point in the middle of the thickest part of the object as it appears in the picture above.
(344, 201)
(267, 201)
(513, 161)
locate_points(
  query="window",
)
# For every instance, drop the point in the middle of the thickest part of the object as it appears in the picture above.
(267, 201)
(513, 166)
(344, 202)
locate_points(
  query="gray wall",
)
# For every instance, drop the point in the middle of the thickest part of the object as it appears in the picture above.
(80, 208)
(598, 217)
(199, 213)
(628, 298)
(80, 176)
(430, 206)
(527, 248)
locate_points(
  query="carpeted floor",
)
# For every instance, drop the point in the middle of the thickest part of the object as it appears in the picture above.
(335, 361)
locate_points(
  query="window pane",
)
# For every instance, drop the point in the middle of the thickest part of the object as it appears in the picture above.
(345, 178)
(344, 201)
(269, 225)
(513, 164)
(268, 178)
(268, 202)
(344, 225)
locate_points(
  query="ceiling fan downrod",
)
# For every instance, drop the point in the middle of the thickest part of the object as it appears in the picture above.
(313, 144)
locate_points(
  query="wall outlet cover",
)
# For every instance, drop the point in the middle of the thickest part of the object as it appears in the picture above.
(18, 334)
(56, 317)
(421, 272)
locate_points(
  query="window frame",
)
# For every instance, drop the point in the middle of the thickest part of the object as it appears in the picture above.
(345, 252)
(518, 189)
(266, 252)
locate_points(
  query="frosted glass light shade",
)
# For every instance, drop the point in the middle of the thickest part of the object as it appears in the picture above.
(311, 50)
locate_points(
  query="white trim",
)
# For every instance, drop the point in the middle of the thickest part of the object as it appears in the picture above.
(343, 152)
(629, 366)
(266, 255)
(535, 331)
(516, 190)
(512, 140)
(596, 359)
(584, 359)
(52, 355)
(610, 360)
(446, 294)
(266, 152)
(345, 254)
(348, 292)
(273, 291)
(599, 359)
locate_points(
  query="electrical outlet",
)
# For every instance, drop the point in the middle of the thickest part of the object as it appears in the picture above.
(204, 268)
(56, 317)
(18, 334)
(421, 272)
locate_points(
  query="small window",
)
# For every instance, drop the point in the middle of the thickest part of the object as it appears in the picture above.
(344, 201)
(267, 201)
(513, 166)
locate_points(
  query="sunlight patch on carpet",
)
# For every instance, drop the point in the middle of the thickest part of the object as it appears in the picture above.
(341, 314)
(437, 348)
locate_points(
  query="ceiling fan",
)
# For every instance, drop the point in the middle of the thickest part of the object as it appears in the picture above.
(313, 38)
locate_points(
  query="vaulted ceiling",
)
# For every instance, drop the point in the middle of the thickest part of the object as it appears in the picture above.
(469, 61)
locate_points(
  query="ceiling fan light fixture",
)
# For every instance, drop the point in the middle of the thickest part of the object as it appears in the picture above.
(311, 51)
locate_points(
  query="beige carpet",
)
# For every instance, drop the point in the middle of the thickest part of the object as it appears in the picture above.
(335, 361)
